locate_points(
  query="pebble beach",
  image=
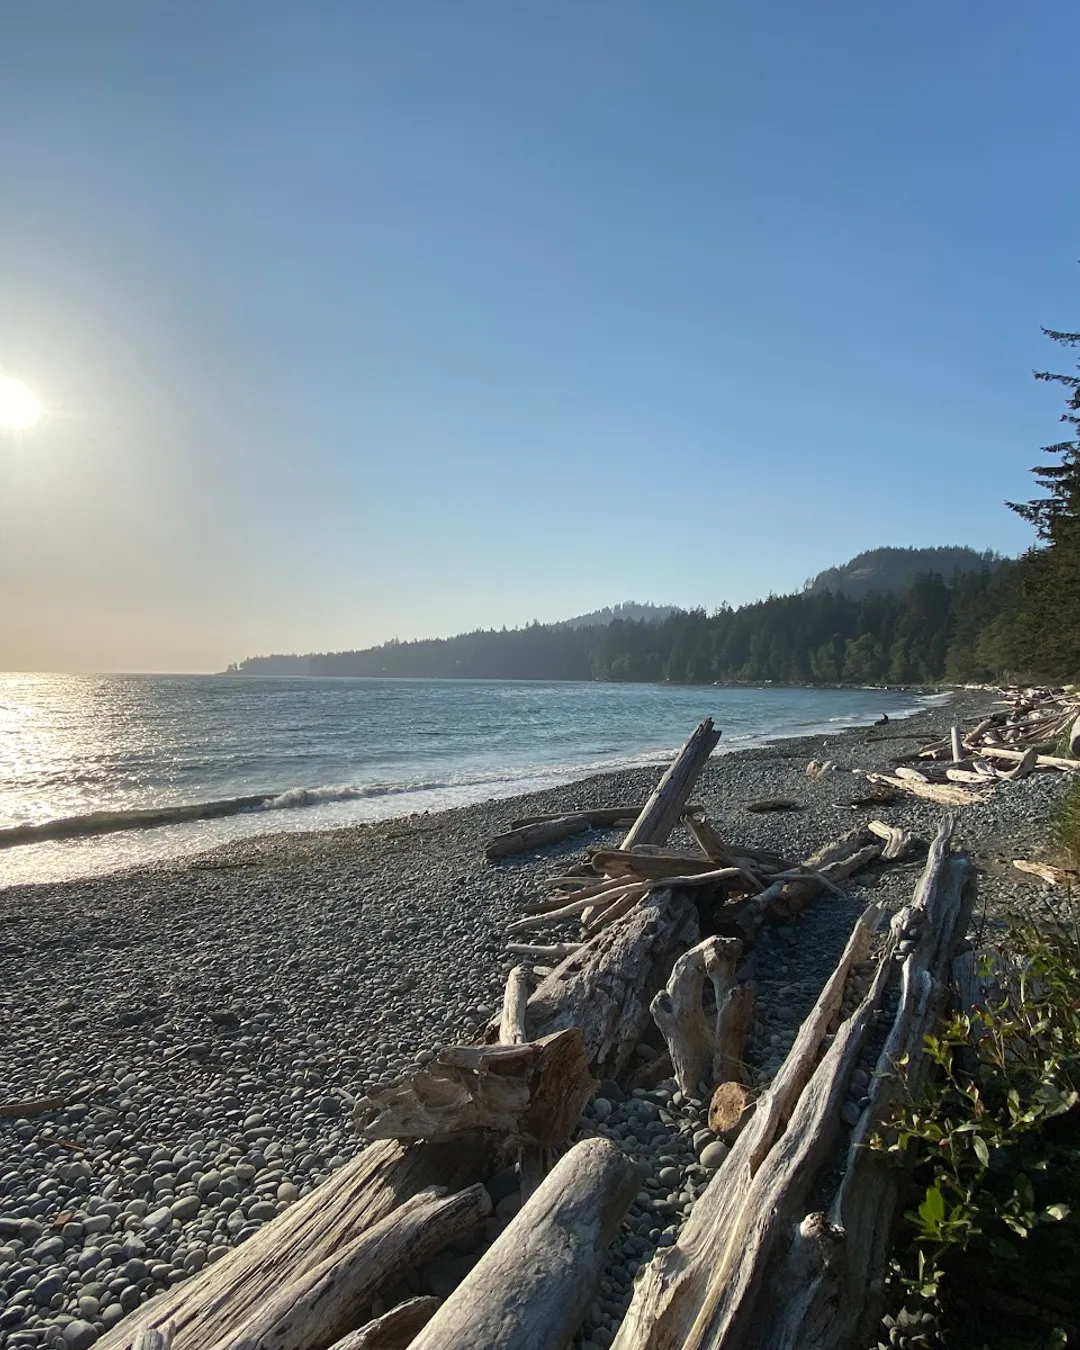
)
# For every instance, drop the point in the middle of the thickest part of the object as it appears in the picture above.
(209, 1024)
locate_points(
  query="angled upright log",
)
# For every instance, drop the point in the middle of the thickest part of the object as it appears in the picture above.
(661, 812)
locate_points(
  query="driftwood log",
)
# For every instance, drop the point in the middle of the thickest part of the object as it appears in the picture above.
(725, 855)
(209, 1307)
(558, 951)
(535, 836)
(516, 996)
(839, 1300)
(320, 1306)
(530, 1093)
(661, 812)
(552, 918)
(751, 1268)
(31, 1106)
(682, 1279)
(945, 794)
(679, 1012)
(530, 1289)
(602, 817)
(898, 842)
(394, 1330)
(822, 871)
(605, 988)
(617, 862)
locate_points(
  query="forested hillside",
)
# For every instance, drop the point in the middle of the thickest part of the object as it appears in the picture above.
(894, 569)
(994, 619)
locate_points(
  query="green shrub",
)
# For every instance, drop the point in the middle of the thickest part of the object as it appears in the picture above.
(990, 1252)
(1065, 828)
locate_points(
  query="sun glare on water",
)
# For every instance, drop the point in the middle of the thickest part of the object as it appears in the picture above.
(20, 407)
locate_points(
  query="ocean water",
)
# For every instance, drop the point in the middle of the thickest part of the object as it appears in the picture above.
(98, 773)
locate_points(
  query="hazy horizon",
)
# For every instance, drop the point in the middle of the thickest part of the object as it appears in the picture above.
(351, 323)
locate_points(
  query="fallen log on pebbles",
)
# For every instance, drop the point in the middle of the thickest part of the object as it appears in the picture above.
(751, 1267)
(599, 818)
(320, 1306)
(945, 794)
(682, 1279)
(208, 1309)
(535, 836)
(530, 1289)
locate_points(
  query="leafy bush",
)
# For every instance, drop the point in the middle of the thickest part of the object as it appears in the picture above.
(991, 1250)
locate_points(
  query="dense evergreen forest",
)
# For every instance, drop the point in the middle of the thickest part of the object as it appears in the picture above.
(993, 620)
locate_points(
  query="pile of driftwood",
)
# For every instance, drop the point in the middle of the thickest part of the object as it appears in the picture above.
(1011, 744)
(663, 939)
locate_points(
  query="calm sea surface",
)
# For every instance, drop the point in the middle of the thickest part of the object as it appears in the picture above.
(321, 753)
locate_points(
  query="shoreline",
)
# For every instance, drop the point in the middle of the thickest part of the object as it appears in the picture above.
(209, 1022)
(263, 807)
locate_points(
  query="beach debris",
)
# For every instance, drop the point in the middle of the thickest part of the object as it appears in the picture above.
(31, 1106)
(533, 1285)
(772, 804)
(528, 837)
(728, 1269)
(819, 768)
(945, 794)
(393, 1330)
(603, 817)
(319, 1306)
(898, 842)
(524, 1093)
(664, 809)
(1053, 876)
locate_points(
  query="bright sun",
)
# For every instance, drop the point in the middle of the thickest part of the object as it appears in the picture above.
(19, 406)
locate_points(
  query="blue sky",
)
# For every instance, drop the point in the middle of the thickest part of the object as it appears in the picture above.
(357, 320)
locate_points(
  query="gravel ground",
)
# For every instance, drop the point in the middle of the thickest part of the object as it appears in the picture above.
(210, 1023)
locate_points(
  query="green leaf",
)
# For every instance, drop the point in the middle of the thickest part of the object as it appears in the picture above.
(1056, 1213)
(932, 1209)
(981, 1151)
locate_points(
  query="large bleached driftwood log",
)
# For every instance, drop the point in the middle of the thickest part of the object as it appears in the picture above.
(319, 1307)
(529, 1093)
(207, 1308)
(661, 812)
(606, 987)
(752, 1268)
(535, 836)
(682, 1279)
(837, 1301)
(530, 1289)
(1041, 762)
